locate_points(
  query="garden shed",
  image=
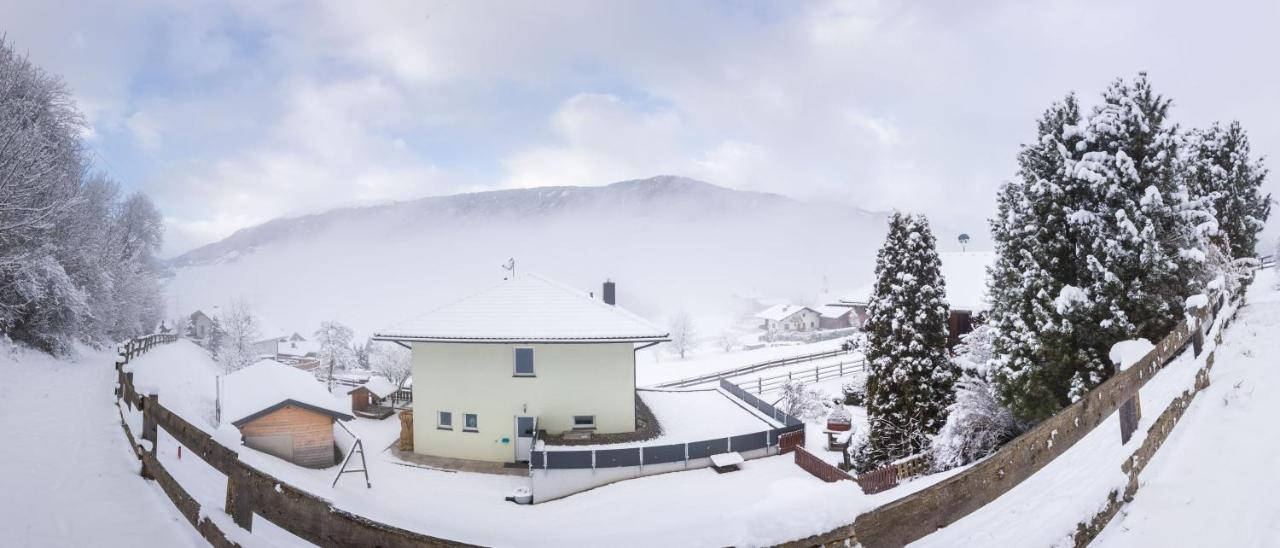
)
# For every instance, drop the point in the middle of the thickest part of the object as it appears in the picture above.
(283, 411)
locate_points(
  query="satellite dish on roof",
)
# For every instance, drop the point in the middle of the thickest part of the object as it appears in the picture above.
(964, 239)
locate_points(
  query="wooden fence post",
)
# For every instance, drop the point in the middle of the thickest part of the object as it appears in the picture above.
(239, 504)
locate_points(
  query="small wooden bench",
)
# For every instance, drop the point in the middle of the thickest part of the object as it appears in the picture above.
(726, 462)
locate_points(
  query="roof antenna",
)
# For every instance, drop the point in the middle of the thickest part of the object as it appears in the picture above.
(510, 266)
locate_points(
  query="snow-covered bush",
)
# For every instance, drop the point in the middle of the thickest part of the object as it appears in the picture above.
(976, 425)
(892, 440)
(237, 330)
(855, 391)
(803, 401)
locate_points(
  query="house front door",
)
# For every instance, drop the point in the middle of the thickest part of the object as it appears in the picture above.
(525, 427)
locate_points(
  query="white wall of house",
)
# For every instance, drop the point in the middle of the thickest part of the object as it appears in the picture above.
(803, 320)
(570, 379)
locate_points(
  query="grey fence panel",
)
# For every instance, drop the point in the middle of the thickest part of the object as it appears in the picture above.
(749, 442)
(658, 454)
(568, 459)
(536, 459)
(706, 448)
(613, 458)
(774, 434)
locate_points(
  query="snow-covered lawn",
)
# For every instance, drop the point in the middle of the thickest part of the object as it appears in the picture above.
(694, 415)
(655, 366)
(1215, 480)
(69, 477)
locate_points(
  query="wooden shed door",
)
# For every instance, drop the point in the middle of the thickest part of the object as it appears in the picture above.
(280, 445)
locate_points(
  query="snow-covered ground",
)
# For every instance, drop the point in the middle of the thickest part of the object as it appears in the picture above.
(1045, 509)
(1215, 480)
(655, 366)
(69, 477)
(771, 500)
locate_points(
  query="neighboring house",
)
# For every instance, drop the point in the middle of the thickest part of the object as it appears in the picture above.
(201, 325)
(283, 411)
(526, 355)
(369, 399)
(287, 348)
(965, 274)
(788, 317)
(835, 317)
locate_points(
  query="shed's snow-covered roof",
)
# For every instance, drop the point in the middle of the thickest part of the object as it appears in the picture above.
(269, 384)
(527, 308)
(966, 277)
(378, 386)
(781, 312)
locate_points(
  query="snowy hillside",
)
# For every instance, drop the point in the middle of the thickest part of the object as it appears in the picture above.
(671, 243)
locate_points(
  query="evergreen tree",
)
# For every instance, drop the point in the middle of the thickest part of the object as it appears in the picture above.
(909, 383)
(1219, 170)
(1096, 243)
(1035, 252)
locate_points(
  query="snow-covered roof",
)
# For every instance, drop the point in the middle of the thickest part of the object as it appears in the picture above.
(528, 308)
(779, 312)
(267, 385)
(832, 310)
(378, 386)
(966, 277)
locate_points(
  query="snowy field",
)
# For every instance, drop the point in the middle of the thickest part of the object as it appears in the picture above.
(1215, 480)
(655, 366)
(69, 476)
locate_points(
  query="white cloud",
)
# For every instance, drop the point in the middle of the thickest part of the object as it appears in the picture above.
(250, 110)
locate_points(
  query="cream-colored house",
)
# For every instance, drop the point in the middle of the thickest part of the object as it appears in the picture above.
(528, 354)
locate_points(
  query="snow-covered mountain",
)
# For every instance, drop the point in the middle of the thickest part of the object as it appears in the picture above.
(670, 243)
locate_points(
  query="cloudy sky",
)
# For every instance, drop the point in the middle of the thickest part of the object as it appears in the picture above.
(233, 113)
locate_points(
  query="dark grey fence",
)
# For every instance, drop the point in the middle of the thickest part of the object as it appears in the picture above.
(678, 452)
(761, 405)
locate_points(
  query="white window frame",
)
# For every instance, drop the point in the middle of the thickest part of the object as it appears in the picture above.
(440, 424)
(577, 426)
(466, 428)
(515, 362)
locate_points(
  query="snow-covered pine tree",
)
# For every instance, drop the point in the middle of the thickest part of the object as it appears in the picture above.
(1096, 243)
(1219, 169)
(1142, 255)
(910, 378)
(1036, 251)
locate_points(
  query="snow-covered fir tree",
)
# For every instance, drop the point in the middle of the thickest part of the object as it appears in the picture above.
(1096, 243)
(910, 378)
(1219, 169)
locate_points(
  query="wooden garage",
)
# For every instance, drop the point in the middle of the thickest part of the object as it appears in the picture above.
(284, 412)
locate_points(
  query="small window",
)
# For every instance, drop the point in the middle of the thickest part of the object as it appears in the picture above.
(470, 423)
(524, 362)
(444, 420)
(584, 422)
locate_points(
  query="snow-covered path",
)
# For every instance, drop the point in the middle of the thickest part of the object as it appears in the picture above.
(1215, 480)
(68, 476)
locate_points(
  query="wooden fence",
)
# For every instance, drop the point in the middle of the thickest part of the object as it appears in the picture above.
(819, 468)
(249, 490)
(753, 368)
